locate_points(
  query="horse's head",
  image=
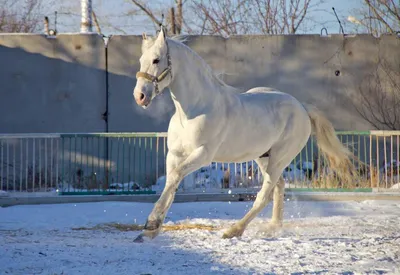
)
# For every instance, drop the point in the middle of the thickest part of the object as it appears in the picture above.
(155, 69)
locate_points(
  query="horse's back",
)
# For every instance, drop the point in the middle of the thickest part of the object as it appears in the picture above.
(262, 117)
(270, 100)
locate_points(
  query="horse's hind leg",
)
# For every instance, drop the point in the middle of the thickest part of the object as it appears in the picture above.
(277, 211)
(271, 175)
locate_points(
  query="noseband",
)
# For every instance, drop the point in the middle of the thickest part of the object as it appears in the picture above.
(157, 79)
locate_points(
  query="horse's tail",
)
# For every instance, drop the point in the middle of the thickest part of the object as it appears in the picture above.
(338, 157)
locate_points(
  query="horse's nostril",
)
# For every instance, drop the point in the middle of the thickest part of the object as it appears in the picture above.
(141, 96)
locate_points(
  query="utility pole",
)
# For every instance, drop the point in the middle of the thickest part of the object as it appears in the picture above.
(46, 26)
(86, 21)
(179, 21)
(172, 16)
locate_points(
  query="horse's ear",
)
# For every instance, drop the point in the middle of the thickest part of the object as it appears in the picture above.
(144, 36)
(163, 31)
(161, 36)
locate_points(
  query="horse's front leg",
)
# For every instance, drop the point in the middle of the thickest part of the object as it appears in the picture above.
(198, 158)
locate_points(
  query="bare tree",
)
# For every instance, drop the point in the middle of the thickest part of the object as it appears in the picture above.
(378, 16)
(224, 18)
(174, 25)
(20, 16)
(282, 16)
(378, 99)
(230, 17)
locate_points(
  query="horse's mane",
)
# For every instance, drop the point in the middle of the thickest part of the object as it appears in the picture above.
(178, 41)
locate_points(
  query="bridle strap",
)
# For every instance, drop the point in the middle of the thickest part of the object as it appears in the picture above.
(156, 79)
(164, 74)
(146, 76)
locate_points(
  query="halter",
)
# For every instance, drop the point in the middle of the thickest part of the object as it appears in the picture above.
(157, 79)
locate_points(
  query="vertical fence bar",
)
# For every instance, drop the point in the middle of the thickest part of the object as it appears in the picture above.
(397, 162)
(353, 147)
(295, 172)
(33, 164)
(87, 178)
(57, 162)
(157, 156)
(62, 163)
(259, 176)
(40, 161)
(82, 174)
(1, 164)
(365, 159)
(358, 152)
(110, 158)
(46, 165)
(8, 165)
(123, 165)
(151, 162)
(21, 166)
(140, 157)
(134, 161)
(129, 160)
(92, 153)
(75, 172)
(14, 175)
(117, 180)
(26, 167)
(385, 160)
(312, 157)
(69, 164)
(377, 163)
(306, 150)
(371, 164)
(98, 173)
(391, 159)
(145, 162)
(252, 172)
(243, 173)
(51, 162)
(105, 162)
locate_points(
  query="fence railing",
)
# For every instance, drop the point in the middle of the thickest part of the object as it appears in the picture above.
(136, 163)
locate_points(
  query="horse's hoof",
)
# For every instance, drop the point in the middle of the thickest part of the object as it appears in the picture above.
(232, 232)
(270, 230)
(146, 234)
(139, 239)
(226, 236)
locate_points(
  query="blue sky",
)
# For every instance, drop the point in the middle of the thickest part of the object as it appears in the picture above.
(114, 16)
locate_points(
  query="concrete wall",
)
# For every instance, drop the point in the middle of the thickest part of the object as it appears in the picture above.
(60, 84)
(302, 65)
(52, 84)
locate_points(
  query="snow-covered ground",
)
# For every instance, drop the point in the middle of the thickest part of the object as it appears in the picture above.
(318, 238)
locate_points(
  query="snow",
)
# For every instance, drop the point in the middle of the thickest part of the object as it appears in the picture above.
(396, 186)
(317, 238)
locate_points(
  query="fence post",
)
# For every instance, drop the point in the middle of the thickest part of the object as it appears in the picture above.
(86, 20)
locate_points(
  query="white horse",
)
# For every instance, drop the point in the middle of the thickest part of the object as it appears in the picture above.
(215, 122)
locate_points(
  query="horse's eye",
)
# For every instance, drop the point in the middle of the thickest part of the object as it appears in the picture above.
(155, 61)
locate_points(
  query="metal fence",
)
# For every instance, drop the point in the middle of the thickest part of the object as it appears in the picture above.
(128, 163)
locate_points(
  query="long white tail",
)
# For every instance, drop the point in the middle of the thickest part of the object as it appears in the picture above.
(335, 153)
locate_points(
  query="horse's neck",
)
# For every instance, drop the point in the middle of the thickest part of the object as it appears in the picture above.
(192, 91)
